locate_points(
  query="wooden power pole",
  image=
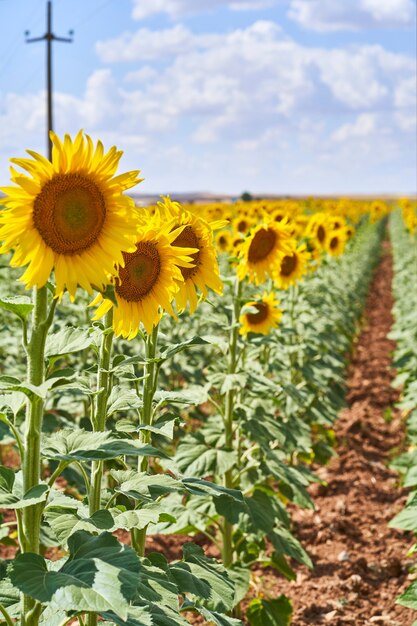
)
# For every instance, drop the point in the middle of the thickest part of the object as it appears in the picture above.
(49, 37)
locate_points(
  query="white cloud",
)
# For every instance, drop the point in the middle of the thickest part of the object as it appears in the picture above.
(364, 125)
(146, 44)
(178, 8)
(249, 108)
(335, 15)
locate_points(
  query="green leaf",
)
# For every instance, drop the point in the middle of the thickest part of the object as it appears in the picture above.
(192, 395)
(285, 543)
(280, 563)
(19, 305)
(215, 618)
(69, 339)
(196, 456)
(9, 595)
(99, 575)
(122, 399)
(263, 612)
(240, 576)
(203, 577)
(80, 445)
(65, 520)
(405, 519)
(169, 351)
(233, 381)
(11, 491)
(144, 487)
(14, 401)
(409, 597)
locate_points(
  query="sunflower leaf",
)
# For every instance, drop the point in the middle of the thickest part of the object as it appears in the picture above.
(19, 305)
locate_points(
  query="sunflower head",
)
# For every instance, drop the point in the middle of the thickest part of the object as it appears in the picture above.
(198, 234)
(293, 267)
(148, 281)
(223, 240)
(265, 315)
(262, 251)
(69, 215)
(241, 224)
(336, 242)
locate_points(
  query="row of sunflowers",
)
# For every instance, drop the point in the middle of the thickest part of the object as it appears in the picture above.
(125, 421)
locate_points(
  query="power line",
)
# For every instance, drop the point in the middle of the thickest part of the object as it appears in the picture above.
(13, 48)
(93, 13)
(49, 37)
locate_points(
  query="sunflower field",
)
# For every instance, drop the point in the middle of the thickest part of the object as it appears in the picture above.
(173, 378)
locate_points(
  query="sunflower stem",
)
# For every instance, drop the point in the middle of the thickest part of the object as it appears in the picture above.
(100, 408)
(227, 548)
(99, 415)
(29, 531)
(150, 382)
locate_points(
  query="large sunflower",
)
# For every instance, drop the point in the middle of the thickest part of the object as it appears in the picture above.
(261, 252)
(69, 215)
(198, 234)
(148, 281)
(267, 315)
(293, 267)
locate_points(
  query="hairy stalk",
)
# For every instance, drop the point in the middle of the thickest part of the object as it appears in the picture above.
(151, 371)
(29, 528)
(227, 550)
(99, 418)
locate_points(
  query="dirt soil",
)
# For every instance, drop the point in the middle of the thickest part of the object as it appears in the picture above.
(360, 564)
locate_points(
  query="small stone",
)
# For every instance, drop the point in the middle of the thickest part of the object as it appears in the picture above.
(343, 556)
(341, 507)
(328, 617)
(355, 582)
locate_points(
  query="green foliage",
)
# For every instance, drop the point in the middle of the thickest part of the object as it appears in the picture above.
(404, 333)
(270, 612)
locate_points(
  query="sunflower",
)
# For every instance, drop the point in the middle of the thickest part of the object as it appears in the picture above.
(148, 280)
(223, 240)
(241, 224)
(336, 242)
(198, 234)
(317, 229)
(261, 252)
(293, 267)
(267, 315)
(69, 215)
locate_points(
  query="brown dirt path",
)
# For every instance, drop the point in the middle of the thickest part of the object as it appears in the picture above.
(359, 561)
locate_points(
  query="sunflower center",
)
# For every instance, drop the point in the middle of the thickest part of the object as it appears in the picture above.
(260, 316)
(321, 233)
(333, 242)
(261, 245)
(140, 273)
(242, 226)
(69, 213)
(288, 264)
(188, 239)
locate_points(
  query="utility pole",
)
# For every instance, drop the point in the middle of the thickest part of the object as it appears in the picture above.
(49, 37)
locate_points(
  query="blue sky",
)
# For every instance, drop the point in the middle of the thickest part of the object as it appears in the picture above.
(273, 96)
